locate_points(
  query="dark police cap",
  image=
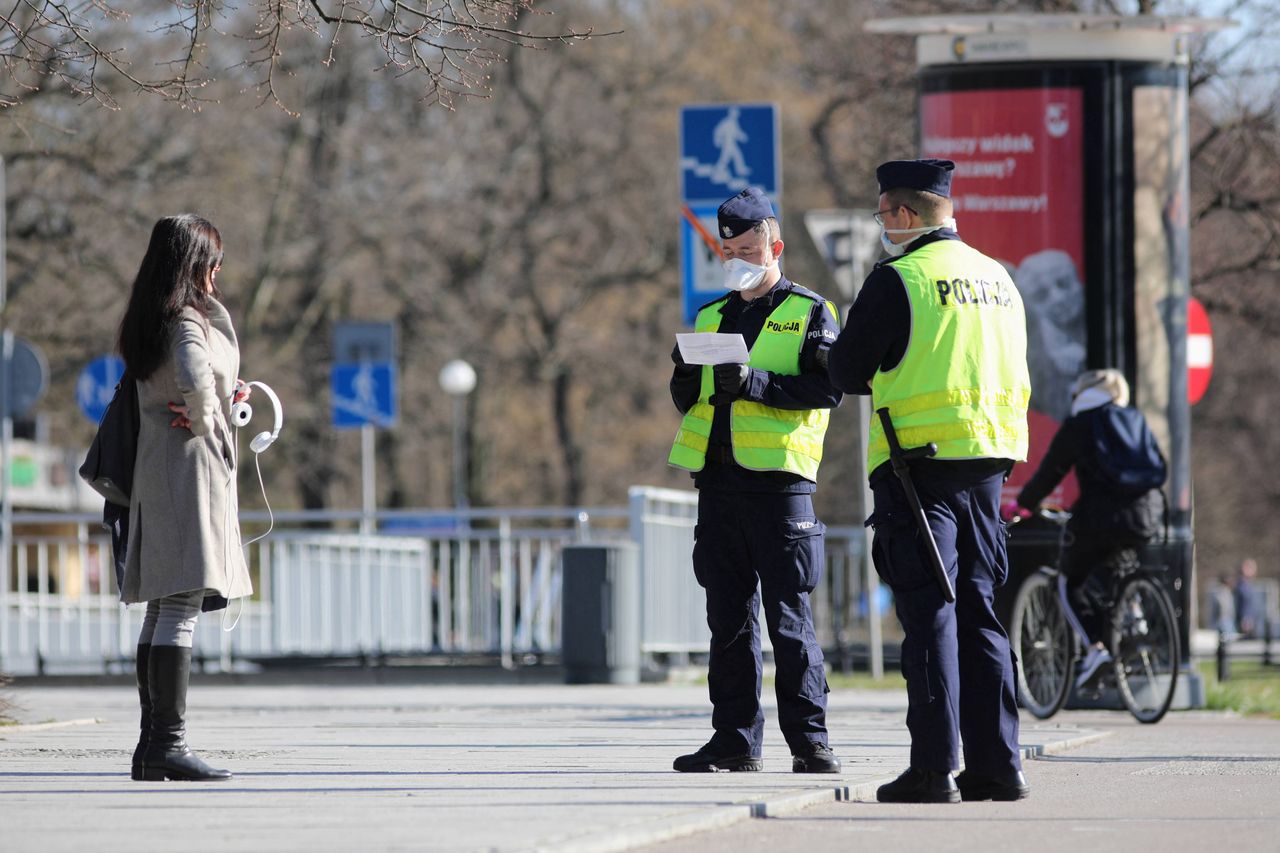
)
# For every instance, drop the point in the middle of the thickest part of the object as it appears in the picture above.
(741, 213)
(932, 176)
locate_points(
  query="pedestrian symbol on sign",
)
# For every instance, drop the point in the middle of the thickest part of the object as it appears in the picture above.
(729, 137)
(366, 388)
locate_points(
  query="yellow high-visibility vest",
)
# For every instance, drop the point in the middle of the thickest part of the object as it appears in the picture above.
(764, 438)
(963, 382)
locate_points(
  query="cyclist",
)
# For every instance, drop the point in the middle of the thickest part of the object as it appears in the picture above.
(1120, 470)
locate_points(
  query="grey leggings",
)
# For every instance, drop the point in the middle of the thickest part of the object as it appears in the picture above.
(171, 621)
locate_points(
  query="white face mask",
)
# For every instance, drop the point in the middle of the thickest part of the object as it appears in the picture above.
(893, 249)
(743, 275)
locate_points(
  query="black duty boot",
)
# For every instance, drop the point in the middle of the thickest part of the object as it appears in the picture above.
(713, 758)
(167, 755)
(144, 698)
(1006, 787)
(920, 786)
(817, 758)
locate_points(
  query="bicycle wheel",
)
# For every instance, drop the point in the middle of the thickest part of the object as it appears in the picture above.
(1045, 646)
(1144, 643)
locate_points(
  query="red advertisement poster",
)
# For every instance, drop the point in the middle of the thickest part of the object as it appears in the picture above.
(1018, 193)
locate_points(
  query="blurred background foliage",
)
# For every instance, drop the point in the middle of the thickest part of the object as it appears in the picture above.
(523, 214)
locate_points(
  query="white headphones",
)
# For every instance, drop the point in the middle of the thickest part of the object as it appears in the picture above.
(242, 413)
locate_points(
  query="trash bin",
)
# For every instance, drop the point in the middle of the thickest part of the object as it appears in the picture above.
(600, 613)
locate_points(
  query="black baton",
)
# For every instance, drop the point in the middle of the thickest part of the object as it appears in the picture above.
(900, 459)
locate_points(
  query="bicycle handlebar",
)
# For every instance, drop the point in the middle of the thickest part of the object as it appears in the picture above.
(1050, 514)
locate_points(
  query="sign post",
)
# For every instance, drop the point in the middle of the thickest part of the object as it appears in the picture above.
(724, 148)
(363, 395)
(24, 374)
(6, 424)
(849, 242)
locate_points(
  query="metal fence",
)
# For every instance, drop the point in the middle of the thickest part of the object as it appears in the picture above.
(484, 581)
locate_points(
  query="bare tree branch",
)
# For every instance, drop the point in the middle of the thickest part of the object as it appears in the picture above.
(94, 49)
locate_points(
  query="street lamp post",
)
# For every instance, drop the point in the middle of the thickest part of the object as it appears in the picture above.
(458, 379)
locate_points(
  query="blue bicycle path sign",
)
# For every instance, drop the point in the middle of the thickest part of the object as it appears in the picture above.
(96, 385)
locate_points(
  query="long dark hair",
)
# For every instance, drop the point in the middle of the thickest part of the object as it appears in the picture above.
(183, 252)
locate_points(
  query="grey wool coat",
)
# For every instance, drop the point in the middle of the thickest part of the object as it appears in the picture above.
(184, 525)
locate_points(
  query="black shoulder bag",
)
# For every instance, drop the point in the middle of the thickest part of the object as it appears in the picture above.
(108, 467)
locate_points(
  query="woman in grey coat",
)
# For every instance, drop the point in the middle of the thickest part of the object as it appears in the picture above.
(184, 553)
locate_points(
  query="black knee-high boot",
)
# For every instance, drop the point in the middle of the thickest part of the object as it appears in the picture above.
(144, 698)
(167, 755)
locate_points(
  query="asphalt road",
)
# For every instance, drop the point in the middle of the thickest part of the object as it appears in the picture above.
(1197, 781)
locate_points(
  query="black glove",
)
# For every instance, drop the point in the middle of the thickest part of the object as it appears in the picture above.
(731, 381)
(683, 369)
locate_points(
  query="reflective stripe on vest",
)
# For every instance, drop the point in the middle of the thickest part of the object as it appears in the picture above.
(972, 403)
(763, 438)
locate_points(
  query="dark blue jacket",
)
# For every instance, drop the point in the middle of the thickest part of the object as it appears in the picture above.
(1100, 509)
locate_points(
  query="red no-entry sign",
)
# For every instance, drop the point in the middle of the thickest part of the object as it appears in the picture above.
(1199, 350)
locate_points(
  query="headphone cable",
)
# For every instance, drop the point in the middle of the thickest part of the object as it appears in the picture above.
(271, 519)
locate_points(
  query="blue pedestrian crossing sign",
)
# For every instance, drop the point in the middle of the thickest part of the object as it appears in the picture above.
(725, 148)
(96, 385)
(363, 394)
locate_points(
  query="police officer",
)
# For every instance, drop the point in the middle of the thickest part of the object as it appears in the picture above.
(752, 438)
(937, 335)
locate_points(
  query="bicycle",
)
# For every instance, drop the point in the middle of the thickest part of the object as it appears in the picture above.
(1141, 635)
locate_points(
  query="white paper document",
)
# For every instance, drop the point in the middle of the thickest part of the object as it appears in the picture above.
(712, 348)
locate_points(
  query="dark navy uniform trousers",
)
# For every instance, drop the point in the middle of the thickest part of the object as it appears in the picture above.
(773, 539)
(955, 657)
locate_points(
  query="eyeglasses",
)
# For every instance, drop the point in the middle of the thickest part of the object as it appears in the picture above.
(878, 216)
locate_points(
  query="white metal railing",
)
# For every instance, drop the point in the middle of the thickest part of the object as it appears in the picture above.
(431, 582)
(673, 611)
(486, 581)
(475, 591)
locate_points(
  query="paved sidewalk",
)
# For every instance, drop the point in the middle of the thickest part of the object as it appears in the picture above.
(1199, 781)
(375, 767)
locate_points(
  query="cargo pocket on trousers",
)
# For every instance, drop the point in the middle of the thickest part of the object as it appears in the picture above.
(806, 549)
(1001, 568)
(815, 674)
(915, 669)
(896, 551)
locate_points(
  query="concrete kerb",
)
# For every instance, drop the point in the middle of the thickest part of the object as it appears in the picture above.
(654, 831)
(1060, 746)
